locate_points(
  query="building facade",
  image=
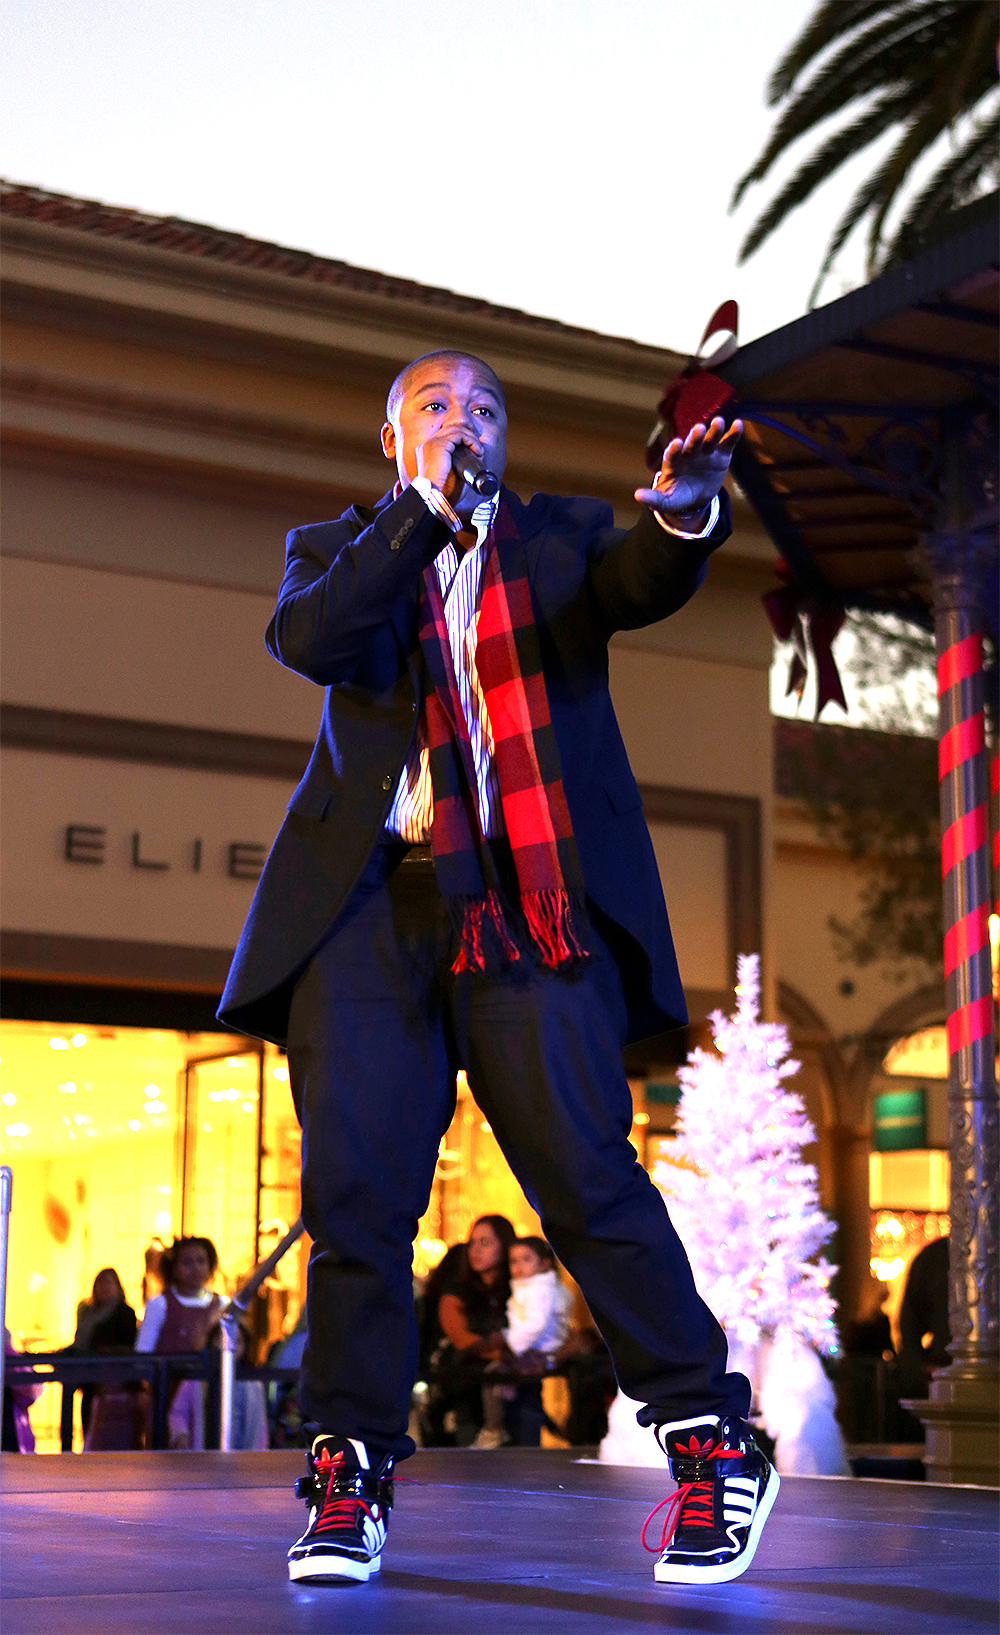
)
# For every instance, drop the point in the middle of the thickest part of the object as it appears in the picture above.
(176, 398)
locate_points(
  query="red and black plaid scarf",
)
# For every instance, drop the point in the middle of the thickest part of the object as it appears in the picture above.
(536, 816)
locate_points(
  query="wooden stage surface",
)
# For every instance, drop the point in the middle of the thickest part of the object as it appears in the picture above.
(510, 1541)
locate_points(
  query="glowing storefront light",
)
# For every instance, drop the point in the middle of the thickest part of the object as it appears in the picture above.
(58, 1044)
(922, 1055)
(886, 1270)
(78, 1040)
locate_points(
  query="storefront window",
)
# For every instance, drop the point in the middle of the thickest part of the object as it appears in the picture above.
(120, 1139)
(909, 1174)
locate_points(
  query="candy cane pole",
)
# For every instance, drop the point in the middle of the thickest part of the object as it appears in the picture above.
(961, 1407)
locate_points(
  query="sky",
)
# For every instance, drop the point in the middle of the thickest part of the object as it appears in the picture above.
(572, 159)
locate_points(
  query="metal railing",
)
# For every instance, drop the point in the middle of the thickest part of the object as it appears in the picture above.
(230, 1322)
(217, 1367)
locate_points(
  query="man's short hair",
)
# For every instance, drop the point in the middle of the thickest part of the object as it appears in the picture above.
(401, 384)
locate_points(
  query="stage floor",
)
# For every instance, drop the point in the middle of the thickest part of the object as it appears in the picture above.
(512, 1541)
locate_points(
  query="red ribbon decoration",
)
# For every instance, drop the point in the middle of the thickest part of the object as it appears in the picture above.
(695, 394)
(812, 626)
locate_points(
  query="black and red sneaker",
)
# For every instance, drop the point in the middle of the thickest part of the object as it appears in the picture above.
(725, 1490)
(349, 1495)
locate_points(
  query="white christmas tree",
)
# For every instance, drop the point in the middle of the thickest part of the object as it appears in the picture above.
(745, 1205)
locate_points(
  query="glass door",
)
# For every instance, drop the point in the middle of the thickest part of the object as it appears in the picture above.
(221, 1156)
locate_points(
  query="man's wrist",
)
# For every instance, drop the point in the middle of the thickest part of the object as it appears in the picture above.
(436, 502)
(690, 524)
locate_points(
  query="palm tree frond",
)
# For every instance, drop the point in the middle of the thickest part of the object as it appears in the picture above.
(981, 40)
(830, 21)
(858, 205)
(843, 145)
(917, 67)
(923, 130)
(953, 183)
(888, 55)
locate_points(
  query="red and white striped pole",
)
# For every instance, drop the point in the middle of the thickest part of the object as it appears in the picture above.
(995, 795)
(965, 861)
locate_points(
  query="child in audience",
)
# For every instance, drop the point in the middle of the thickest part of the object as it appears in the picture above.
(181, 1319)
(539, 1305)
(538, 1310)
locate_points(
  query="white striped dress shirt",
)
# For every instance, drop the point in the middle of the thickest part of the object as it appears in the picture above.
(412, 810)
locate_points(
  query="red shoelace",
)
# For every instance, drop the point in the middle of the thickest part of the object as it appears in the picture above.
(692, 1502)
(341, 1512)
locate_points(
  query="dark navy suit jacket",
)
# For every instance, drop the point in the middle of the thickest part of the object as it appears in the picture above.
(347, 618)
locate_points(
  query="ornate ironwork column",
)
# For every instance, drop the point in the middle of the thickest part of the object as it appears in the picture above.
(961, 1414)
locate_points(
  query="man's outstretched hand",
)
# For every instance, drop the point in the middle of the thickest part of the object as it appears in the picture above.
(693, 470)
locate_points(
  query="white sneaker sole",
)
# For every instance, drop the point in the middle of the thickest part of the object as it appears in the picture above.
(665, 1572)
(327, 1568)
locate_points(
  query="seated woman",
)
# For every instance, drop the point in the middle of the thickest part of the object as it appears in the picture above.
(105, 1324)
(471, 1311)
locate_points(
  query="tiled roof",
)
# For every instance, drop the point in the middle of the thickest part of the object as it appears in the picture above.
(235, 249)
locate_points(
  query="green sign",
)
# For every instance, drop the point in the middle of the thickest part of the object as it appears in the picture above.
(666, 1091)
(900, 1120)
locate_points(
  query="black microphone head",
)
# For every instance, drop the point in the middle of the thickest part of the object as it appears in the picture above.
(472, 471)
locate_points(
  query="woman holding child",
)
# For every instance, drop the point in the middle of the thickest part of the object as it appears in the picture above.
(504, 1311)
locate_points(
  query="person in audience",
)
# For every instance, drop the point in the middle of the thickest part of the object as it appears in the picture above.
(16, 1435)
(181, 1319)
(924, 1328)
(539, 1305)
(471, 1311)
(537, 1324)
(105, 1323)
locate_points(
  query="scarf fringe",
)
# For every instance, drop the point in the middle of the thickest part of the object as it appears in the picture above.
(549, 917)
(471, 955)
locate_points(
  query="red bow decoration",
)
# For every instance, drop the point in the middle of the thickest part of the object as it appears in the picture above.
(810, 626)
(695, 394)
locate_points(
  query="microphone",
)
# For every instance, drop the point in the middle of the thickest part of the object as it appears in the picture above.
(472, 471)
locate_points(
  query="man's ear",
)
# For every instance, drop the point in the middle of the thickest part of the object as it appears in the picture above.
(389, 440)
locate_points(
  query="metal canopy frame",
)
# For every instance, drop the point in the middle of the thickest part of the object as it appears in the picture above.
(849, 409)
(871, 457)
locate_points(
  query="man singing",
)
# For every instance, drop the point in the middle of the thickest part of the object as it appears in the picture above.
(464, 879)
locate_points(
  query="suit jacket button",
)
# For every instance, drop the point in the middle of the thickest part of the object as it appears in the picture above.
(387, 782)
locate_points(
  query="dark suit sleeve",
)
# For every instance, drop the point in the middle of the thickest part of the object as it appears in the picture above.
(341, 584)
(646, 574)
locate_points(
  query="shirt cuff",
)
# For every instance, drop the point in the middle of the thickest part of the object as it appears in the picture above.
(682, 533)
(436, 502)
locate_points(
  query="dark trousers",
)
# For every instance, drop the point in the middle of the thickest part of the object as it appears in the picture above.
(379, 1026)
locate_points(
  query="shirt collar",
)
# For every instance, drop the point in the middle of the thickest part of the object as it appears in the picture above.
(483, 517)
